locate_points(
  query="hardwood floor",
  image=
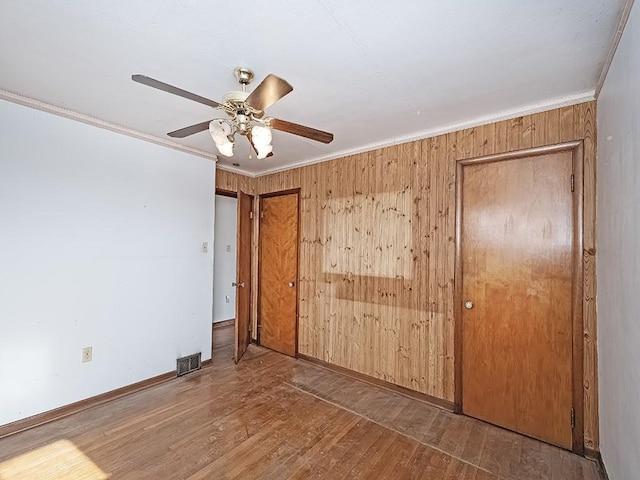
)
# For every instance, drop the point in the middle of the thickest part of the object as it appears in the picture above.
(274, 417)
(222, 337)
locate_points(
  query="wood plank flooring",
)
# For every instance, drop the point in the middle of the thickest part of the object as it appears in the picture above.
(274, 417)
(222, 337)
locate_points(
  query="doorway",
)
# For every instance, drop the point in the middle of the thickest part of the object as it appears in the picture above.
(519, 290)
(232, 274)
(224, 271)
(278, 272)
(243, 275)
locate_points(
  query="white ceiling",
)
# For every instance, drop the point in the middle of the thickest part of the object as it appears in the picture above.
(373, 73)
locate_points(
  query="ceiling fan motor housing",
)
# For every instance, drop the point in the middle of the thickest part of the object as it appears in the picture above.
(235, 97)
(234, 104)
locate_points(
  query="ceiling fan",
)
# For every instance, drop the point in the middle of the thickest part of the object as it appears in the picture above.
(245, 114)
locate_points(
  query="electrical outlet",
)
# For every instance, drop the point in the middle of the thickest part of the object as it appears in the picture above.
(205, 247)
(87, 354)
(228, 248)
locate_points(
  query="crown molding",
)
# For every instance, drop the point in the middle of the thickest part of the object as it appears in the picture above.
(453, 127)
(96, 122)
(239, 171)
(615, 41)
(567, 101)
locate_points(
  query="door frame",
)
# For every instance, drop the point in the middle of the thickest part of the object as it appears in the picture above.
(261, 198)
(230, 194)
(226, 193)
(234, 194)
(577, 150)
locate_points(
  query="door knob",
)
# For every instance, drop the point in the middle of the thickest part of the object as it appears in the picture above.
(468, 304)
(292, 284)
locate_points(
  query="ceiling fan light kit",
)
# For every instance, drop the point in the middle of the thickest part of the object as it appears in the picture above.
(245, 112)
(221, 133)
(261, 140)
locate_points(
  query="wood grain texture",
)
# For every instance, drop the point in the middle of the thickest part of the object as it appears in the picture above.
(393, 318)
(585, 127)
(232, 182)
(274, 417)
(437, 402)
(243, 274)
(222, 337)
(278, 250)
(517, 252)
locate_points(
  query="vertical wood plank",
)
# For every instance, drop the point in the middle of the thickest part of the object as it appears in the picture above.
(437, 156)
(552, 129)
(585, 128)
(540, 131)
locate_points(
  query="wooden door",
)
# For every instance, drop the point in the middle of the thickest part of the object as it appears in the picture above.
(517, 250)
(243, 275)
(278, 256)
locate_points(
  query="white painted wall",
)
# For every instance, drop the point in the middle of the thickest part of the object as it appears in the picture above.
(100, 245)
(618, 264)
(224, 267)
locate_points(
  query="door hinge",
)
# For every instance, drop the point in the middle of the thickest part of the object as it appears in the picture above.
(262, 214)
(250, 214)
(573, 418)
(573, 182)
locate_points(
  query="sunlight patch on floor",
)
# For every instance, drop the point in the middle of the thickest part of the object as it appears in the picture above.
(60, 460)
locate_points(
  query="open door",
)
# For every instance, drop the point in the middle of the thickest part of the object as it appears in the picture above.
(243, 275)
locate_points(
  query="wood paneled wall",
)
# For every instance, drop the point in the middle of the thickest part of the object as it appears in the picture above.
(377, 251)
(232, 182)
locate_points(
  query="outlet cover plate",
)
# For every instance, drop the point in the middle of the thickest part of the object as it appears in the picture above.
(87, 354)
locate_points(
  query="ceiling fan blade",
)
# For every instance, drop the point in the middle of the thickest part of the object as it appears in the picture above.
(270, 154)
(165, 87)
(270, 90)
(190, 130)
(301, 130)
